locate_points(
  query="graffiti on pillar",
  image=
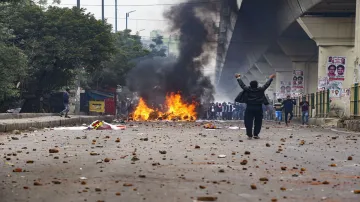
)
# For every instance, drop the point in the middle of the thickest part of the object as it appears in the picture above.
(336, 67)
(298, 82)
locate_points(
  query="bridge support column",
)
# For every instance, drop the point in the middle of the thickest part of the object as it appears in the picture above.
(335, 39)
(357, 43)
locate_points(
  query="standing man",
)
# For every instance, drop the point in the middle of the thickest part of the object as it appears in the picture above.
(288, 108)
(229, 111)
(305, 111)
(254, 97)
(278, 111)
(224, 111)
(66, 103)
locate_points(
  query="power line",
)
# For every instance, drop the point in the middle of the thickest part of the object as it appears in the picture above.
(147, 5)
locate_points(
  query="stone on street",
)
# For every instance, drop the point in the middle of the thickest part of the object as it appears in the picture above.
(180, 163)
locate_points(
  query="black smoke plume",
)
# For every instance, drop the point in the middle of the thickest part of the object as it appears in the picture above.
(154, 78)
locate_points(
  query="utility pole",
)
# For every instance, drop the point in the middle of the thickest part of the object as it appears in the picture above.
(103, 11)
(116, 15)
(78, 87)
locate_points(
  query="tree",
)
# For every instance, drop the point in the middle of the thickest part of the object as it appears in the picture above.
(12, 66)
(157, 48)
(59, 42)
(129, 48)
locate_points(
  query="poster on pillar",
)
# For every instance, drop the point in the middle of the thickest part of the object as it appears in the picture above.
(298, 82)
(323, 83)
(336, 67)
(285, 89)
(335, 88)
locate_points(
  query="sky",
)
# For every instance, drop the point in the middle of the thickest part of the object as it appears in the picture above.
(147, 17)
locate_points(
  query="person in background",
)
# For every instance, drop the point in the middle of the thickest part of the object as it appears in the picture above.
(66, 98)
(229, 111)
(254, 97)
(288, 105)
(241, 111)
(212, 111)
(304, 111)
(217, 110)
(278, 110)
(224, 110)
(265, 112)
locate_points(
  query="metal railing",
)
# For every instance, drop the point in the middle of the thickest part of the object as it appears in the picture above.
(320, 101)
(355, 101)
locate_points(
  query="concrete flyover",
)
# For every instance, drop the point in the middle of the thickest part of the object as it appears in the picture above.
(257, 37)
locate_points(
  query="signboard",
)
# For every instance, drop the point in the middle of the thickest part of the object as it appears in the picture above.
(97, 106)
(335, 68)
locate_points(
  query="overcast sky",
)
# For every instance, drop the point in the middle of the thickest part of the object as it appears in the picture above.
(148, 14)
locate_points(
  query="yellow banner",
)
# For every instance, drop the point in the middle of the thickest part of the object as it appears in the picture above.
(97, 106)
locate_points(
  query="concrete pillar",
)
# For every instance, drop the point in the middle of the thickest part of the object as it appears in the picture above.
(357, 43)
(335, 38)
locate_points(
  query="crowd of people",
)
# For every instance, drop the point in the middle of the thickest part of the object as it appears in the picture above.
(235, 111)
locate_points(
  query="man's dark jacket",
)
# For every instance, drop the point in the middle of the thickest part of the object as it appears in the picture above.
(253, 96)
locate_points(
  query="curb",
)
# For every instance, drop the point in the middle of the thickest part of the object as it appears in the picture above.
(8, 127)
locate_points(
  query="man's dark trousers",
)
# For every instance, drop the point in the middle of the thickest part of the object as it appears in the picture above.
(286, 116)
(253, 114)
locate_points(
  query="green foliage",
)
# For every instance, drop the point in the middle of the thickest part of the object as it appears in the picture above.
(157, 47)
(12, 65)
(129, 47)
(58, 42)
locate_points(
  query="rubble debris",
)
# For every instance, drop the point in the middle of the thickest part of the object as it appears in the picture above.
(17, 170)
(244, 162)
(52, 151)
(210, 126)
(207, 198)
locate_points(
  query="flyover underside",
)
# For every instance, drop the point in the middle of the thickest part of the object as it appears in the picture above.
(259, 24)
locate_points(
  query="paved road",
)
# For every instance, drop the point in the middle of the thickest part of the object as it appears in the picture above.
(294, 164)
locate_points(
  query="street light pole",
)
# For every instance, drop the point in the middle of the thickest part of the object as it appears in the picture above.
(103, 11)
(138, 32)
(78, 3)
(116, 14)
(127, 15)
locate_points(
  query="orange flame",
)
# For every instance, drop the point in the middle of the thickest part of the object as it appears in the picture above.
(142, 111)
(176, 109)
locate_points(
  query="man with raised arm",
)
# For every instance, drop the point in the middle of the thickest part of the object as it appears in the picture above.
(254, 97)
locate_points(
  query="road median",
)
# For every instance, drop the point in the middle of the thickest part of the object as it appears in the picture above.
(8, 125)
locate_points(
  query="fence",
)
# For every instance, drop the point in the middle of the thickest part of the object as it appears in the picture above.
(319, 101)
(355, 101)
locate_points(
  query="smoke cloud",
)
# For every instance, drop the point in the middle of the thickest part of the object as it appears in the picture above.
(153, 78)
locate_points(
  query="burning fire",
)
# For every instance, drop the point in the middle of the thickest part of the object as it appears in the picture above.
(176, 109)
